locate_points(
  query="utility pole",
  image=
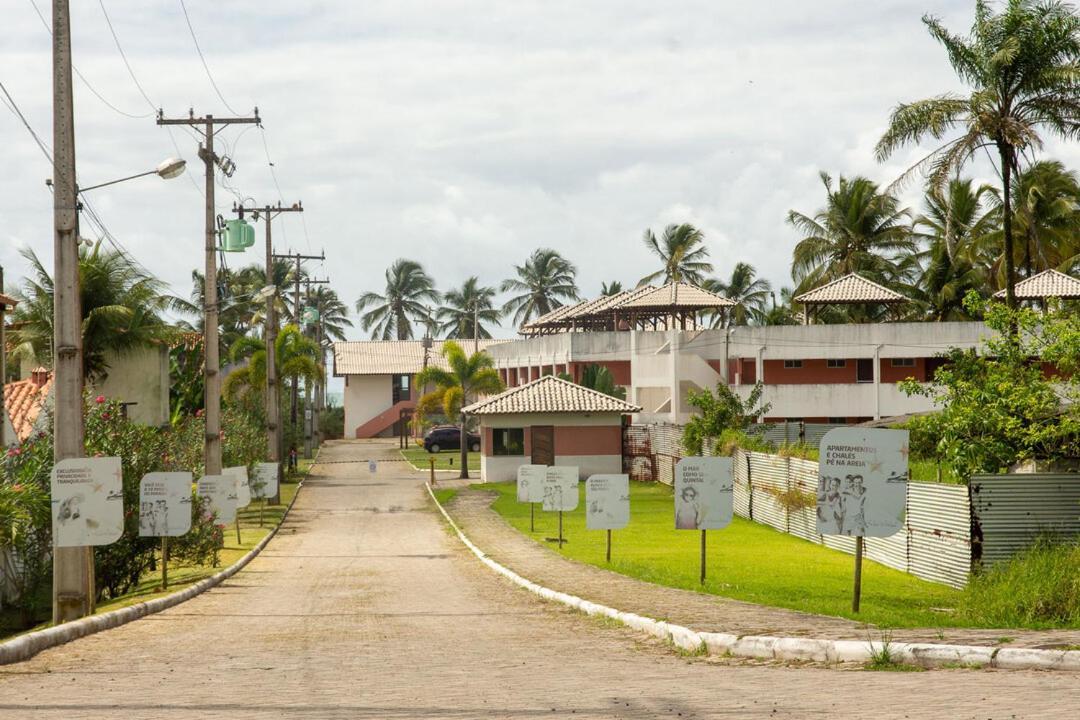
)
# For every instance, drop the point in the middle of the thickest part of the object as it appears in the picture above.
(475, 328)
(310, 414)
(73, 567)
(273, 398)
(296, 312)
(212, 353)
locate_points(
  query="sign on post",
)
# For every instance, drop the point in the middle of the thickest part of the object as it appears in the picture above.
(704, 493)
(87, 502)
(530, 489)
(243, 486)
(607, 502)
(220, 491)
(165, 504)
(560, 488)
(266, 481)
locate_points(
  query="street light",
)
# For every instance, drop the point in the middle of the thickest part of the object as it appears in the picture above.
(167, 169)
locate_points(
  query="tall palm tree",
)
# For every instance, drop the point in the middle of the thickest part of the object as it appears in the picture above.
(682, 251)
(465, 310)
(468, 376)
(546, 281)
(121, 306)
(295, 356)
(612, 288)
(782, 313)
(1046, 203)
(749, 293)
(391, 314)
(859, 230)
(1021, 66)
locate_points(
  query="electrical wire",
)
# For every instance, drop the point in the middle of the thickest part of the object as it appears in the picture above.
(202, 57)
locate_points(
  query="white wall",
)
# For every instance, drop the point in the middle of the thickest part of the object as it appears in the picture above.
(142, 377)
(837, 400)
(504, 469)
(365, 397)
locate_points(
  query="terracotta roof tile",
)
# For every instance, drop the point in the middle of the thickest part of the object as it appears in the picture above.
(679, 295)
(550, 394)
(1047, 284)
(24, 401)
(387, 357)
(851, 288)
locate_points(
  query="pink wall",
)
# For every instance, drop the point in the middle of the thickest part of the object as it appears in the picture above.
(588, 440)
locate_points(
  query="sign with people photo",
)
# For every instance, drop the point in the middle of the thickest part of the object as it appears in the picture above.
(862, 483)
(704, 493)
(220, 491)
(87, 502)
(530, 483)
(165, 504)
(560, 489)
(607, 502)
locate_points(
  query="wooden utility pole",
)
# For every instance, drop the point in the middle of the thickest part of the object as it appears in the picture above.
(274, 433)
(296, 312)
(212, 393)
(73, 567)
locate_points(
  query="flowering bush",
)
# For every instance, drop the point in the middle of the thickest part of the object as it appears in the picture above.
(26, 527)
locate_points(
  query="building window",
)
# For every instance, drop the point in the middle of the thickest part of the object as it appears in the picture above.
(838, 421)
(792, 364)
(903, 362)
(508, 441)
(835, 363)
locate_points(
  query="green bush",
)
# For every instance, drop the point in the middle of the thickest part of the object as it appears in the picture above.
(1038, 587)
(26, 529)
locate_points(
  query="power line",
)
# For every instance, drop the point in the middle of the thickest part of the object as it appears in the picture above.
(13, 106)
(202, 57)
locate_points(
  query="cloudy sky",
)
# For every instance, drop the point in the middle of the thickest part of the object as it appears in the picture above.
(467, 134)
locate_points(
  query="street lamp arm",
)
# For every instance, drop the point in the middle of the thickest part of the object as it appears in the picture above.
(114, 182)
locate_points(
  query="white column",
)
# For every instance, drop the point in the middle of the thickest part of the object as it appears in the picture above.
(877, 382)
(633, 361)
(673, 351)
(566, 364)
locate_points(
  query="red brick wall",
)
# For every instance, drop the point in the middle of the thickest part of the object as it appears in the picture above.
(816, 372)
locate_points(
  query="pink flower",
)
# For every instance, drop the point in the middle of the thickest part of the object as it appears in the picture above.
(105, 416)
(199, 412)
(99, 399)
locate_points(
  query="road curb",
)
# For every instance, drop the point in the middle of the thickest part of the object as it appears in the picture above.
(791, 648)
(26, 646)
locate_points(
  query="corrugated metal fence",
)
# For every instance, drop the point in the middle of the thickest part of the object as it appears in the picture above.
(1011, 510)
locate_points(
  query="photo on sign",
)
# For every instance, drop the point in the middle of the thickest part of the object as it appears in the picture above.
(704, 493)
(265, 483)
(607, 502)
(560, 488)
(87, 502)
(165, 504)
(530, 483)
(220, 493)
(243, 488)
(862, 482)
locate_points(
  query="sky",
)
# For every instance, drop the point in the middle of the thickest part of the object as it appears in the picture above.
(465, 135)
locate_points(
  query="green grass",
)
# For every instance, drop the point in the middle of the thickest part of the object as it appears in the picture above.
(445, 460)
(445, 495)
(746, 561)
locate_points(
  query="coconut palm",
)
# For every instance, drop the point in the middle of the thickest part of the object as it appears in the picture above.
(1046, 217)
(782, 313)
(682, 251)
(749, 293)
(463, 306)
(391, 314)
(295, 356)
(608, 289)
(468, 376)
(546, 281)
(860, 230)
(121, 305)
(1021, 67)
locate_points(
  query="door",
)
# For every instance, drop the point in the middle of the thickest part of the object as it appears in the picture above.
(542, 438)
(864, 372)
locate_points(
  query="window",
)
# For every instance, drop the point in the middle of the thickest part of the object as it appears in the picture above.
(508, 441)
(838, 421)
(903, 362)
(836, 363)
(792, 364)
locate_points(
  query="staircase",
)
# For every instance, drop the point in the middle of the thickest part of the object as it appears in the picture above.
(383, 420)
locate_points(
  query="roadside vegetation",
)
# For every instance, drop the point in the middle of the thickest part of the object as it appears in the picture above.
(419, 458)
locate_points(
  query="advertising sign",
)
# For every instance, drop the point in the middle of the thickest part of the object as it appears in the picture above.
(607, 502)
(220, 490)
(87, 502)
(560, 488)
(862, 482)
(165, 504)
(265, 483)
(243, 488)
(530, 483)
(704, 493)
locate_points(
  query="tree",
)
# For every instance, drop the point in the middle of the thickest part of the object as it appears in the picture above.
(1046, 216)
(682, 252)
(1021, 67)
(749, 293)
(121, 306)
(546, 281)
(782, 313)
(468, 376)
(391, 314)
(462, 306)
(719, 413)
(609, 289)
(599, 378)
(295, 356)
(860, 230)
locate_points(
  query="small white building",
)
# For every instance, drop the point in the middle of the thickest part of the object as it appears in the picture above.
(550, 421)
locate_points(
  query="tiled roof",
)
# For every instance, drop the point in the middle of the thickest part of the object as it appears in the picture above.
(24, 401)
(678, 295)
(7, 301)
(386, 357)
(1047, 284)
(550, 394)
(851, 288)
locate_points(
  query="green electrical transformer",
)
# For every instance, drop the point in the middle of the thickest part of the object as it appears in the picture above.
(238, 236)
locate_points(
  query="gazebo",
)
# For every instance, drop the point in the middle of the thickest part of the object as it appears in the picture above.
(1044, 286)
(851, 289)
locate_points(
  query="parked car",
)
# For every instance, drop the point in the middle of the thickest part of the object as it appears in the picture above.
(448, 437)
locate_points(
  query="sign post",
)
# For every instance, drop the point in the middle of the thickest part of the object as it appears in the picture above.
(530, 489)
(243, 491)
(560, 493)
(164, 511)
(265, 484)
(862, 488)
(607, 504)
(704, 497)
(87, 502)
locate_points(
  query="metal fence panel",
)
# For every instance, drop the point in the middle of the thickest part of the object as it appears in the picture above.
(1011, 510)
(768, 477)
(891, 551)
(742, 487)
(939, 558)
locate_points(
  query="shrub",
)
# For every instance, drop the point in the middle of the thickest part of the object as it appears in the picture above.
(26, 528)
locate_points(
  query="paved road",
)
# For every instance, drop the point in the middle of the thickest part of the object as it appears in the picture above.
(365, 607)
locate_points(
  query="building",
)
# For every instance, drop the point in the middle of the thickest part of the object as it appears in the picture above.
(25, 406)
(550, 421)
(379, 381)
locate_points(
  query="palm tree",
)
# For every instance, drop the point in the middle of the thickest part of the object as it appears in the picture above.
(463, 307)
(748, 292)
(1021, 66)
(543, 283)
(782, 313)
(1046, 202)
(391, 314)
(860, 230)
(682, 251)
(609, 289)
(121, 306)
(468, 376)
(295, 356)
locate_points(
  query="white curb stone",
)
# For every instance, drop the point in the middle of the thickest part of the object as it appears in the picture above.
(802, 649)
(755, 646)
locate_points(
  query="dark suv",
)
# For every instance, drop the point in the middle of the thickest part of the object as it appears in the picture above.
(448, 437)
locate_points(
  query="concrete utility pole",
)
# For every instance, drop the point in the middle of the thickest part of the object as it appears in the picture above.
(73, 567)
(296, 312)
(274, 433)
(212, 352)
(310, 414)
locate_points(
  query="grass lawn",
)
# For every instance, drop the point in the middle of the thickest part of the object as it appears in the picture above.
(445, 495)
(445, 460)
(746, 561)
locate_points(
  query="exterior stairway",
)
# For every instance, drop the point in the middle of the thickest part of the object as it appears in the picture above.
(384, 420)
